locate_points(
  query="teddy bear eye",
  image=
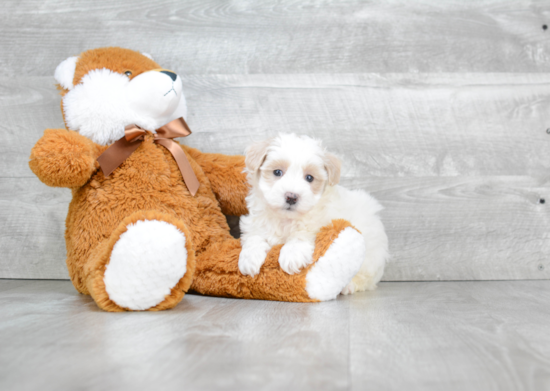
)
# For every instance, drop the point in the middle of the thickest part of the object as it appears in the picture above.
(128, 73)
(278, 173)
(309, 178)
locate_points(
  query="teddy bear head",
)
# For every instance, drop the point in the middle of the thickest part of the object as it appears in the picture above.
(106, 89)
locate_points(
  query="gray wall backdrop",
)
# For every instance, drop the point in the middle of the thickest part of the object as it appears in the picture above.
(439, 108)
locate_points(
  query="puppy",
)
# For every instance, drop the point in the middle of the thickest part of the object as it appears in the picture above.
(294, 194)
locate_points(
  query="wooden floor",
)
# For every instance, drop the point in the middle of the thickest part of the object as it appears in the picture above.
(406, 335)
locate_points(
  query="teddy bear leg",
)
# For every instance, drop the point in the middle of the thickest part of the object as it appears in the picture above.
(339, 253)
(146, 264)
(343, 249)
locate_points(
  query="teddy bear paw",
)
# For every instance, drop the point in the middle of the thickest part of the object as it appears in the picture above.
(147, 261)
(335, 270)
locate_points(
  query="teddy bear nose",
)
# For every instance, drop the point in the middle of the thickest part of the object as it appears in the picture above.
(291, 198)
(172, 75)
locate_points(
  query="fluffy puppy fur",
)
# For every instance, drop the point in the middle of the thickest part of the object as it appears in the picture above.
(293, 194)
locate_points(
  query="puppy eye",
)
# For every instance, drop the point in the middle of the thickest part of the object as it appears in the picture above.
(128, 73)
(278, 173)
(309, 178)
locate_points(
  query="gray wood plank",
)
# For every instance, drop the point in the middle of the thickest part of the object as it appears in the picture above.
(288, 36)
(440, 228)
(489, 336)
(388, 125)
(381, 124)
(6, 285)
(32, 235)
(28, 106)
(205, 343)
(414, 336)
(465, 228)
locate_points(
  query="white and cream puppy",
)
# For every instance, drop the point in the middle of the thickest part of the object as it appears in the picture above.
(294, 194)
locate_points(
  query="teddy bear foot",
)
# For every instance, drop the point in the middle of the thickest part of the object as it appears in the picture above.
(147, 261)
(336, 268)
(146, 264)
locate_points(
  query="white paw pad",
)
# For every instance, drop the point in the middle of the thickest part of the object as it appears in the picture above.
(334, 270)
(147, 261)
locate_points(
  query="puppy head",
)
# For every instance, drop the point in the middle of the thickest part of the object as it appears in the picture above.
(291, 172)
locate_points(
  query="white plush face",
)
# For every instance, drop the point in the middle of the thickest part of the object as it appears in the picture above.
(291, 172)
(104, 102)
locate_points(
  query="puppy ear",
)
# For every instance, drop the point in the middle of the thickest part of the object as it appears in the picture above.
(255, 155)
(333, 166)
(64, 73)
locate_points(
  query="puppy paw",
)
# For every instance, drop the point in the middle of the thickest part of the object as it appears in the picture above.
(295, 255)
(252, 258)
(349, 289)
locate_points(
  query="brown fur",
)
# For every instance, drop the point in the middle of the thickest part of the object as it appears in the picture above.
(64, 159)
(147, 186)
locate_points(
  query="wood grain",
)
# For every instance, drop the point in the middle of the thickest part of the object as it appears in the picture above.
(28, 106)
(33, 228)
(440, 228)
(381, 125)
(388, 125)
(206, 343)
(288, 36)
(439, 108)
(413, 336)
(451, 336)
(464, 228)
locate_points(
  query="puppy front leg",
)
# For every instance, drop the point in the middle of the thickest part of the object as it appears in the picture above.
(296, 254)
(253, 253)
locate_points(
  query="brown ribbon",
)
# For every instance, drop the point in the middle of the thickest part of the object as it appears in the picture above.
(117, 153)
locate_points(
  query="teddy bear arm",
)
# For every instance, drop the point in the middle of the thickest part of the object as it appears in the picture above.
(64, 158)
(227, 179)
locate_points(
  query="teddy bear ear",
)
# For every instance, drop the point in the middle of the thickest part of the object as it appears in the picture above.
(148, 56)
(64, 73)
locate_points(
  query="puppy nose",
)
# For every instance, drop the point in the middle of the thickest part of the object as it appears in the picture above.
(291, 198)
(172, 75)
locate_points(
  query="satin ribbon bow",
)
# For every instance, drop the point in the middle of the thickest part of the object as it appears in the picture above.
(117, 153)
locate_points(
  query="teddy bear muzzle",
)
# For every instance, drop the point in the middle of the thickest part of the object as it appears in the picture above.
(155, 93)
(104, 102)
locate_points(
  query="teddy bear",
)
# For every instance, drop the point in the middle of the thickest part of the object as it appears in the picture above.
(147, 220)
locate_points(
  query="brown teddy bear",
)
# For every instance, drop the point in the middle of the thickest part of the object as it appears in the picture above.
(146, 222)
